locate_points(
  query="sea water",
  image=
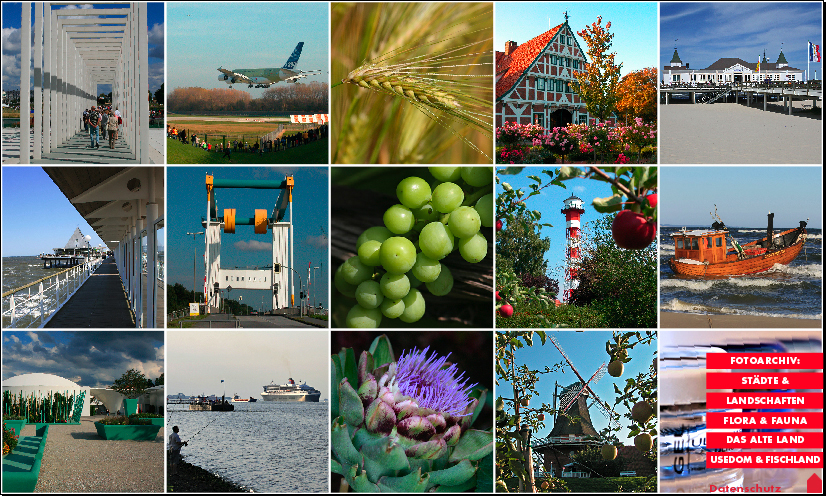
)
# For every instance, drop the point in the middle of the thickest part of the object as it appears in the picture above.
(265, 446)
(791, 291)
(19, 271)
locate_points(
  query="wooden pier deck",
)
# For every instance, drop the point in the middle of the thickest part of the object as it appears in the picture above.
(100, 303)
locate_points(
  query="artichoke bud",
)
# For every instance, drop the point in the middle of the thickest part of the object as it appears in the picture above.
(438, 422)
(416, 428)
(467, 418)
(451, 436)
(427, 450)
(379, 417)
(365, 366)
(368, 390)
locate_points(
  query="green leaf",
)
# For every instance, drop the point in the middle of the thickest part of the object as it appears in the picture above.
(349, 366)
(350, 405)
(507, 187)
(481, 395)
(343, 449)
(382, 351)
(383, 457)
(566, 173)
(365, 366)
(453, 476)
(473, 445)
(413, 482)
(484, 475)
(509, 171)
(335, 467)
(537, 214)
(535, 178)
(362, 484)
(609, 204)
(363, 436)
(335, 378)
(517, 468)
(469, 484)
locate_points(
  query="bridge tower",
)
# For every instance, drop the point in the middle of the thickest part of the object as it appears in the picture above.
(278, 279)
(573, 210)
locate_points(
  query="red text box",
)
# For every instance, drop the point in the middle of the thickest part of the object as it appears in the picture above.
(805, 401)
(754, 420)
(764, 361)
(764, 440)
(765, 460)
(764, 380)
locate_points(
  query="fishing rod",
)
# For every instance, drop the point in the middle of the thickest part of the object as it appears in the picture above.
(202, 428)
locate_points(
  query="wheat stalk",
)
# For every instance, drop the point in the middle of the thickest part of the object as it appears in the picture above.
(443, 83)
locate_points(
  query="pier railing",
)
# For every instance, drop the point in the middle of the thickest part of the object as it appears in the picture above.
(35, 303)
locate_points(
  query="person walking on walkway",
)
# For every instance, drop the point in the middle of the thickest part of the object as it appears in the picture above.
(94, 127)
(120, 121)
(104, 121)
(112, 127)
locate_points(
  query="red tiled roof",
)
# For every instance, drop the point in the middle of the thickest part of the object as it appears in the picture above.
(513, 66)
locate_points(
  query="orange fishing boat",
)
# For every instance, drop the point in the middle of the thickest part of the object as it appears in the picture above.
(704, 253)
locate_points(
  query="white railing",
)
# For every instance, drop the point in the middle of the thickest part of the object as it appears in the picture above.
(34, 304)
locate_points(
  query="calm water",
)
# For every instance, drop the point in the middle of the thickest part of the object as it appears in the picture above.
(792, 291)
(266, 446)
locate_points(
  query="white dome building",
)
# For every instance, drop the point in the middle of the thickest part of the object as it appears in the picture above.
(43, 384)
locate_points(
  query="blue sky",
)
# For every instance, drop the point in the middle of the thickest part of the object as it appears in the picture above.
(252, 35)
(633, 23)
(12, 17)
(186, 205)
(88, 358)
(587, 352)
(549, 203)
(48, 219)
(708, 31)
(743, 195)
(248, 361)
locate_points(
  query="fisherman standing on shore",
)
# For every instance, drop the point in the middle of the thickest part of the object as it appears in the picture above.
(175, 445)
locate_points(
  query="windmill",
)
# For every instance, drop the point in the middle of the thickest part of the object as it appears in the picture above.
(572, 394)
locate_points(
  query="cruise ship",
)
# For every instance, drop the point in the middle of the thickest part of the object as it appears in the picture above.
(290, 392)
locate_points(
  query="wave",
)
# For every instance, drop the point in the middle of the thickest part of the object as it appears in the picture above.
(810, 270)
(814, 236)
(701, 285)
(675, 305)
(690, 284)
(666, 249)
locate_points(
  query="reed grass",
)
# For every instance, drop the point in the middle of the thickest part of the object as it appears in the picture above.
(419, 83)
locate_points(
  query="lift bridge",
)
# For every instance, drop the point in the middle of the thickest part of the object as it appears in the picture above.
(278, 279)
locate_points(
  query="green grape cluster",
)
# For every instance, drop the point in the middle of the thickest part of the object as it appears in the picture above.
(431, 220)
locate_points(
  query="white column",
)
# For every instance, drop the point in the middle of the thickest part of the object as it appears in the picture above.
(151, 254)
(47, 79)
(142, 148)
(25, 80)
(38, 80)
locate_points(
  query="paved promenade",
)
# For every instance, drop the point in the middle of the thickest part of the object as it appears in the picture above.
(100, 302)
(77, 460)
(77, 150)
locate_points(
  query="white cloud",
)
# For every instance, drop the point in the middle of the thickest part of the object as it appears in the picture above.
(11, 41)
(319, 241)
(252, 245)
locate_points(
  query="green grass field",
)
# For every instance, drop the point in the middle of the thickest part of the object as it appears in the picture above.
(313, 153)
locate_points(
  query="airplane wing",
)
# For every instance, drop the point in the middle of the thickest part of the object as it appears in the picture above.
(234, 76)
(298, 75)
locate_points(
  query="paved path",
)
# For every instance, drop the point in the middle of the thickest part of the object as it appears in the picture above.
(100, 302)
(270, 321)
(77, 460)
(77, 150)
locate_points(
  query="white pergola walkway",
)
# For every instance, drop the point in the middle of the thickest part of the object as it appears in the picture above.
(74, 51)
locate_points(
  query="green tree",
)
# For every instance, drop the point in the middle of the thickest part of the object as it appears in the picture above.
(591, 459)
(597, 85)
(131, 384)
(621, 284)
(159, 94)
(521, 248)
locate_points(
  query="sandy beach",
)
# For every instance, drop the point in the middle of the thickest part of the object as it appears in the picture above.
(690, 320)
(731, 133)
(77, 460)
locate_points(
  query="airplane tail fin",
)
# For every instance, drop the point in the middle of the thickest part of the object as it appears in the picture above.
(294, 57)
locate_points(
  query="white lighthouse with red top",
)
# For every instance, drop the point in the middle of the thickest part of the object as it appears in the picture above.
(573, 210)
